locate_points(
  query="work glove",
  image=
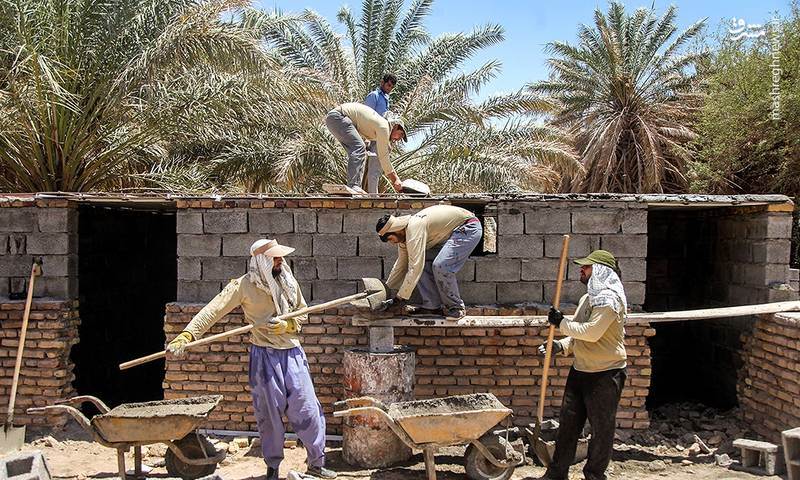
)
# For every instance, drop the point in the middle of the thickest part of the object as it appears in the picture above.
(281, 327)
(391, 303)
(557, 348)
(555, 317)
(178, 344)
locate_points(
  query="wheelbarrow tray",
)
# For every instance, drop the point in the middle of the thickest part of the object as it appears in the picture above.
(151, 422)
(449, 420)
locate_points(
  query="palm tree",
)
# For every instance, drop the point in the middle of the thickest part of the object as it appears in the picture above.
(109, 94)
(627, 94)
(460, 145)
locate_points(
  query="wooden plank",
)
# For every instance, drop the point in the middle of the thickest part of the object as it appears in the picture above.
(482, 321)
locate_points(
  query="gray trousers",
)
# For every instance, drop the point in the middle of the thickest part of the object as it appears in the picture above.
(438, 285)
(343, 129)
(374, 168)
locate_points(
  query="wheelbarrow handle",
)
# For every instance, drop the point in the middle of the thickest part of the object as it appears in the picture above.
(76, 414)
(85, 398)
(360, 402)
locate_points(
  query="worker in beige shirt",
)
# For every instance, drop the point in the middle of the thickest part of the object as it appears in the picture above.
(457, 230)
(596, 337)
(280, 382)
(351, 124)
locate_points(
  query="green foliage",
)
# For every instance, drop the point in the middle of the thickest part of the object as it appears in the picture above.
(626, 93)
(743, 147)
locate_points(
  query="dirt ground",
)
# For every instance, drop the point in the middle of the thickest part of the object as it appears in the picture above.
(71, 456)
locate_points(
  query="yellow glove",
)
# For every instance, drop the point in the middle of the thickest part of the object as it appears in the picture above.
(281, 327)
(178, 344)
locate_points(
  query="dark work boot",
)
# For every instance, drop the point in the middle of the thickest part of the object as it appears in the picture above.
(320, 472)
(272, 473)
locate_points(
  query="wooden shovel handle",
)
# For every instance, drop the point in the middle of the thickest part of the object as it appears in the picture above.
(35, 271)
(562, 264)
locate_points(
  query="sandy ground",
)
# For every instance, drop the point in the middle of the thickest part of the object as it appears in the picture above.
(71, 456)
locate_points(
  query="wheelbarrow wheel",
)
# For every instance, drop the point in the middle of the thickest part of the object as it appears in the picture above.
(479, 467)
(192, 446)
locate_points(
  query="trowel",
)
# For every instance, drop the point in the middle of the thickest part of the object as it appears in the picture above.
(12, 438)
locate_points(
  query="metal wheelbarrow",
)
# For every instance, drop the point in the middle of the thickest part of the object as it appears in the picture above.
(428, 425)
(171, 422)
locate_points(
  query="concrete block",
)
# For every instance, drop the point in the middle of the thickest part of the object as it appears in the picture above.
(633, 269)
(271, 223)
(622, 246)
(519, 292)
(362, 222)
(49, 243)
(779, 226)
(634, 221)
(305, 221)
(381, 339)
(58, 265)
(304, 268)
(225, 221)
(325, 290)
(4, 287)
(16, 244)
(635, 292)
(771, 251)
(791, 452)
(198, 291)
(597, 220)
(224, 268)
(3, 244)
(329, 222)
(579, 245)
(54, 219)
(757, 454)
(372, 246)
(539, 269)
(200, 245)
(776, 273)
(335, 245)
(355, 268)
(187, 221)
(326, 268)
(301, 243)
(52, 287)
(510, 224)
(16, 266)
(474, 293)
(520, 246)
(548, 220)
(189, 268)
(30, 465)
(238, 244)
(18, 219)
(466, 274)
(571, 291)
(497, 269)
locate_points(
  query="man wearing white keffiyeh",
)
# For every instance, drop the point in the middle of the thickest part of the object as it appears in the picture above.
(594, 385)
(280, 381)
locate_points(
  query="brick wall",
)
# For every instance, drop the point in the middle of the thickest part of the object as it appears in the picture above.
(337, 245)
(449, 362)
(38, 228)
(769, 386)
(47, 371)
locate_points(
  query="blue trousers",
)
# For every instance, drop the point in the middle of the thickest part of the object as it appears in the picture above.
(281, 385)
(437, 285)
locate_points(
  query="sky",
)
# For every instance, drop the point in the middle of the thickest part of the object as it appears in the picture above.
(530, 25)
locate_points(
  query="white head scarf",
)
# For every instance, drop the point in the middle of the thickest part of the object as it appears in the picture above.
(283, 288)
(605, 289)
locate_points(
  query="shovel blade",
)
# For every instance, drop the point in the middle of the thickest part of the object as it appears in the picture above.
(11, 439)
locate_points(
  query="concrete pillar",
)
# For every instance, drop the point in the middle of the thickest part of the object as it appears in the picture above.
(389, 377)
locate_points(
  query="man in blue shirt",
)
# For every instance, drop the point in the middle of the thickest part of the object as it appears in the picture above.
(377, 100)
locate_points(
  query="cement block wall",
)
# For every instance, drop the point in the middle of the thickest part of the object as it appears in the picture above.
(337, 245)
(769, 386)
(32, 228)
(451, 361)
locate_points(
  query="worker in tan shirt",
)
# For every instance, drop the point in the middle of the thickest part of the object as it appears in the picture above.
(596, 337)
(457, 230)
(280, 381)
(351, 124)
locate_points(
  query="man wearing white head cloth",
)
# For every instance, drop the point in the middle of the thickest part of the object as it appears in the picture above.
(279, 378)
(594, 385)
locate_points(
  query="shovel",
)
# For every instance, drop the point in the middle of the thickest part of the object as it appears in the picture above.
(374, 294)
(539, 447)
(13, 437)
